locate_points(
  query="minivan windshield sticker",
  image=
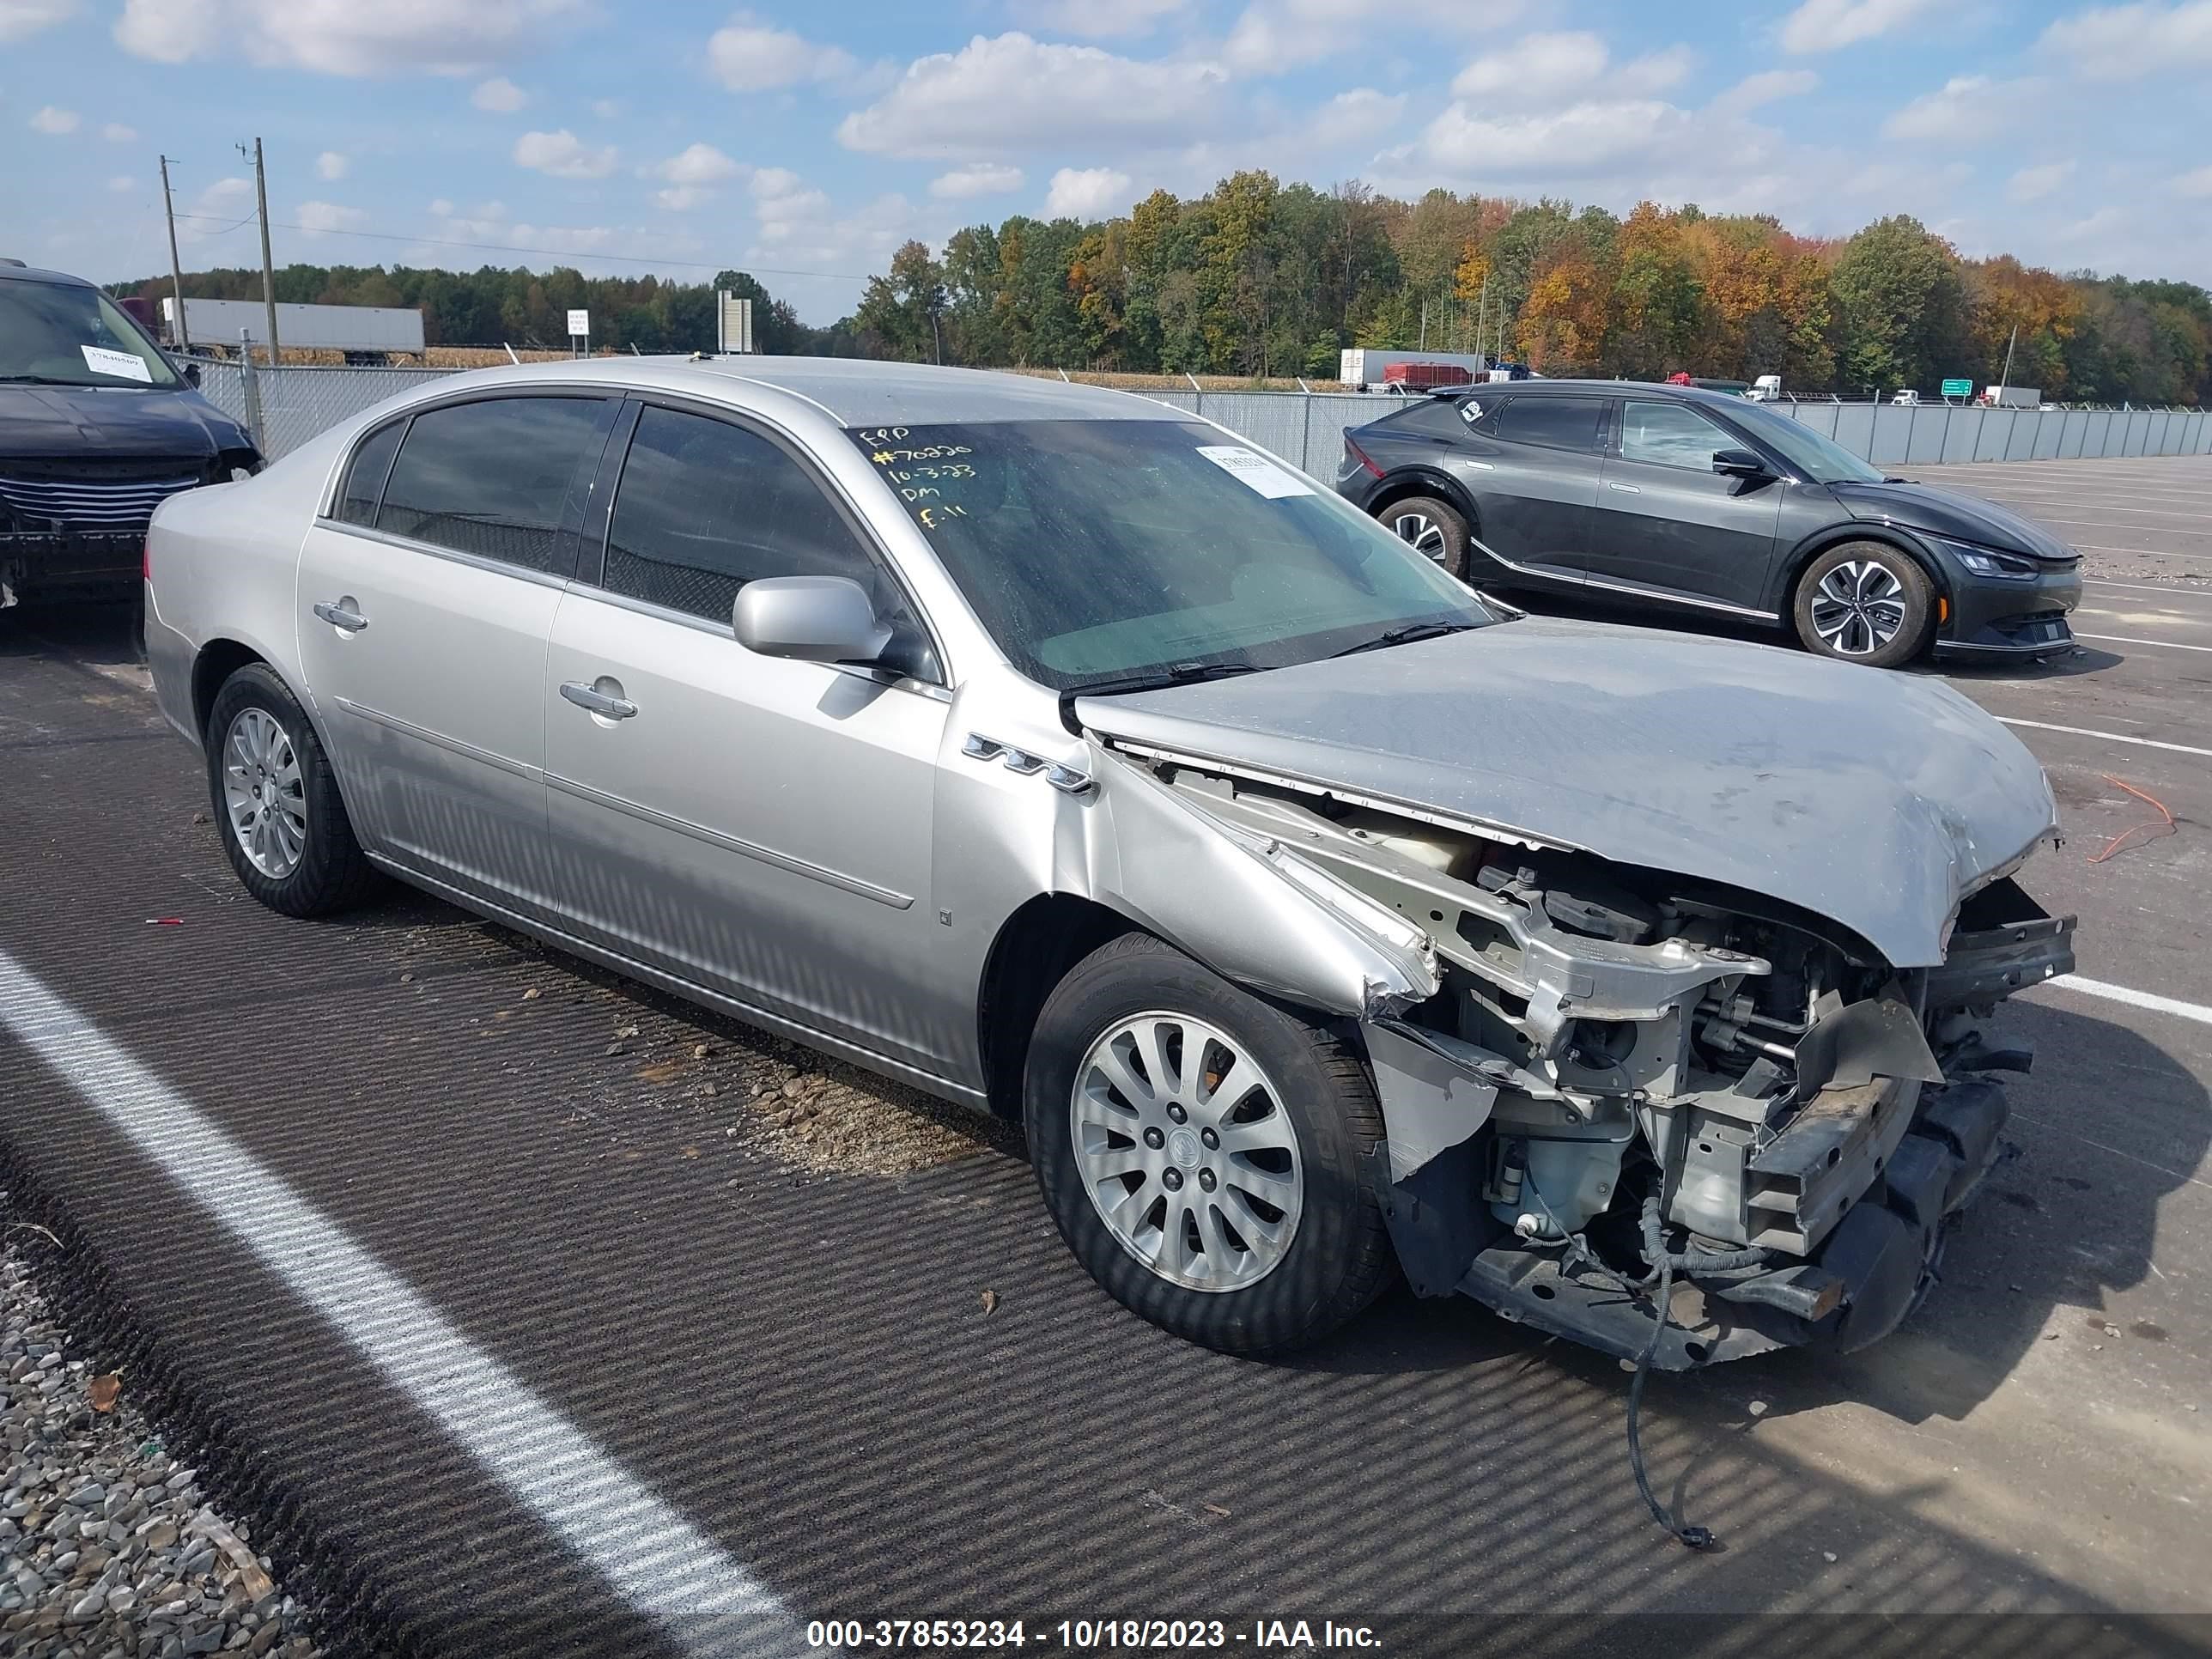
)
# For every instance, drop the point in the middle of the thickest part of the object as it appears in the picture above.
(1255, 471)
(121, 364)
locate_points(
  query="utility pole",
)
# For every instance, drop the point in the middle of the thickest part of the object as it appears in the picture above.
(268, 268)
(176, 270)
(2004, 375)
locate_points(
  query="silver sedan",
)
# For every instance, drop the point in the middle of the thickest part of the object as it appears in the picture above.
(1070, 757)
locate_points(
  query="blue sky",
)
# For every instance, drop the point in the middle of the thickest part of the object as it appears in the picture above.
(805, 142)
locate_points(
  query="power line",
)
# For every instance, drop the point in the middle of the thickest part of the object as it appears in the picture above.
(548, 252)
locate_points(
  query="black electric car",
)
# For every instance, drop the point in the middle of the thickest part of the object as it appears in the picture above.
(97, 428)
(1688, 499)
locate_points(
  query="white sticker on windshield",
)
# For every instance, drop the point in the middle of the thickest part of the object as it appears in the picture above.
(121, 364)
(1255, 470)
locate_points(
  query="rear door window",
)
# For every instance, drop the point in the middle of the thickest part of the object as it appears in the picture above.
(1553, 423)
(364, 484)
(492, 477)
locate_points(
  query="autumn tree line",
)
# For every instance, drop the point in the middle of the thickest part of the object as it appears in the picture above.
(1264, 279)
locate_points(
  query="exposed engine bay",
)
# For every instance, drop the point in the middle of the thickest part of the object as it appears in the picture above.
(1633, 1086)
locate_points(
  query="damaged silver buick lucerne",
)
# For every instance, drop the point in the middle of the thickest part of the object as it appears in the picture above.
(1065, 755)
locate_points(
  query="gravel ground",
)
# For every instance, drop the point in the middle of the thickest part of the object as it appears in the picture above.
(106, 1550)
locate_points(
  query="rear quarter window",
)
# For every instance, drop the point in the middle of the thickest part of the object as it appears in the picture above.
(364, 480)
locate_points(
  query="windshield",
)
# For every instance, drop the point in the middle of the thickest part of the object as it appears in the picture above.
(59, 334)
(1819, 459)
(1101, 550)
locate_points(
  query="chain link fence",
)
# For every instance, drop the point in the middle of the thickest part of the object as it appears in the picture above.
(283, 408)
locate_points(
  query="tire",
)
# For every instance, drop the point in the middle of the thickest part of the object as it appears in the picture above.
(1865, 602)
(1307, 1129)
(304, 859)
(1433, 528)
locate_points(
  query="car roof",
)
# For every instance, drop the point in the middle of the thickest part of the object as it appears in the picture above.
(1693, 394)
(31, 274)
(852, 392)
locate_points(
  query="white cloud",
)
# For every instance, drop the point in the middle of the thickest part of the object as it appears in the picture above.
(1826, 25)
(1966, 109)
(122, 181)
(605, 108)
(1007, 95)
(2125, 43)
(343, 36)
(218, 209)
(1270, 36)
(316, 217)
(691, 175)
(1356, 117)
(747, 55)
(116, 133)
(982, 178)
(563, 155)
(2033, 184)
(1579, 141)
(1767, 87)
(1119, 19)
(332, 165)
(442, 208)
(1087, 193)
(21, 17)
(2196, 184)
(1534, 68)
(55, 121)
(500, 96)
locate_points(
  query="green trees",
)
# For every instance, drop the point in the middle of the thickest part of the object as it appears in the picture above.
(1258, 277)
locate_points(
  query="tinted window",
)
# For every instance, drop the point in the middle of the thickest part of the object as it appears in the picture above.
(364, 484)
(1671, 434)
(705, 508)
(61, 334)
(490, 478)
(1096, 548)
(1555, 422)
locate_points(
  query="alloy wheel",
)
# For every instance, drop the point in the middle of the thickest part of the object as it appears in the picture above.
(1858, 608)
(1187, 1152)
(1423, 534)
(263, 793)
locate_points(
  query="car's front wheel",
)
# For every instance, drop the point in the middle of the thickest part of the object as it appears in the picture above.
(283, 822)
(1203, 1151)
(1434, 529)
(1866, 602)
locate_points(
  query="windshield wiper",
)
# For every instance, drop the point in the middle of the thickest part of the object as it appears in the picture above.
(1181, 673)
(41, 379)
(1410, 632)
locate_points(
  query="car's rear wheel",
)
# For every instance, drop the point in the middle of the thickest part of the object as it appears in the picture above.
(282, 822)
(1435, 529)
(1865, 602)
(1203, 1152)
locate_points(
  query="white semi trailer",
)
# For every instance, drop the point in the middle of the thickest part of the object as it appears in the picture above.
(357, 331)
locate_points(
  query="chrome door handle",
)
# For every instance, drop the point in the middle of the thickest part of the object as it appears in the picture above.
(341, 614)
(1625, 489)
(593, 700)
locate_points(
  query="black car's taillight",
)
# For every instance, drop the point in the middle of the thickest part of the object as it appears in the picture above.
(1360, 455)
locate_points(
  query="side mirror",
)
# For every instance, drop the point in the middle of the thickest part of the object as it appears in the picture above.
(1741, 464)
(193, 375)
(811, 618)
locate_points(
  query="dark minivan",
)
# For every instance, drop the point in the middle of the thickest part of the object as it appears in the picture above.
(97, 427)
(1694, 500)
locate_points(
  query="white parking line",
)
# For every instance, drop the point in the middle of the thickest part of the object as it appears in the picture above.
(2133, 999)
(2151, 588)
(2109, 737)
(2122, 638)
(647, 1553)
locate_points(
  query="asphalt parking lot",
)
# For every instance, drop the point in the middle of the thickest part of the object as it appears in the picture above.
(821, 1336)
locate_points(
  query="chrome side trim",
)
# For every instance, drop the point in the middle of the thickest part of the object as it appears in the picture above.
(1068, 780)
(522, 769)
(783, 1024)
(866, 890)
(1653, 595)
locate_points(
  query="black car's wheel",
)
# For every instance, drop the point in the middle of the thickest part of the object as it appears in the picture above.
(1865, 602)
(1203, 1151)
(276, 804)
(1436, 530)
